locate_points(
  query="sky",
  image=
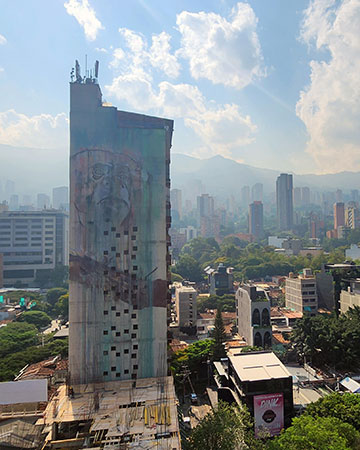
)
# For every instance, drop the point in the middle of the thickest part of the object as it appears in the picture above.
(271, 83)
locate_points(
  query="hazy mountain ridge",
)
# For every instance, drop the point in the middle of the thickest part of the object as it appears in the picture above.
(222, 176)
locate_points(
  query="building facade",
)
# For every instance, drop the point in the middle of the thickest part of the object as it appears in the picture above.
(284, 202)
(220, 279)
(339, 215)
(60, 197)
(31, 242)
(119, 221)
(185, 303)
(351, 297)
(301, 292)
(256, 219)
(253, 315)
(176, 204)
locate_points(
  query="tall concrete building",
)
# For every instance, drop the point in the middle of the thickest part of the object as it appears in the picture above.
(284, 202)
(176, 203)
(301, 292)
(42, 201)
(119, 221)
(339, 215)
(32, 242)
(185, 303)
(245, 196)
(256, 219)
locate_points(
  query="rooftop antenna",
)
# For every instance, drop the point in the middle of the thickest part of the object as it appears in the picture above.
(86, 72)
(96, 69)
(77, 71)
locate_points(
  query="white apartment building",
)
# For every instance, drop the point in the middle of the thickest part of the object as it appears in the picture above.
(301, 293)
(32, 241)
(185, 303)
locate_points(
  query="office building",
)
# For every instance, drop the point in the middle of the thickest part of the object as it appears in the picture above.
(257, 192)
(60, 197)
(205, 206)
(339, 215)
(119, 222)
(185, 304)
(32, 242)
(297, 196)
(190, 232)
(301, 292)
(42, 201)
(14, 202)
(256, 219)
(353, 252)
(176, 204)
(352, 216)
(305, 196)
(284, 202)
(261, 382)
(253, 315)
(339, 196)
(355, 195)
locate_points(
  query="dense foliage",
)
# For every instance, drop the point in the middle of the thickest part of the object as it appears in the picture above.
(328, 340)
(194, 357)
(226, 427)
(307, 432)
(16, 336)
(219, 338)
(38, 318)
(224, 302)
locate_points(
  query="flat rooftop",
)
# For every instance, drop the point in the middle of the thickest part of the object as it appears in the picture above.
(257, 366)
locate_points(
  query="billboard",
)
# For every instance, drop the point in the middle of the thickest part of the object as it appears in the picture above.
(26, 391)
(268, 414)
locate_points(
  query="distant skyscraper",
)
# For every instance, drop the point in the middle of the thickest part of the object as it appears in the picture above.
(14, 202)
(338, 196)
(176, 203)
(119, 221)
(257, 192)
(42, 201)
(305, 196)
(297, 196)
(245, 196)
(256, 219)
(284, 202)
(205, 206)
(339, 215)
(60, 197)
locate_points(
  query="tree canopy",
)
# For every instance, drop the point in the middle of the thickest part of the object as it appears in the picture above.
(38, 318)
(17, 336)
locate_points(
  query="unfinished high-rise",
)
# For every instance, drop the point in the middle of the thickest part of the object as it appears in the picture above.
(119, 220)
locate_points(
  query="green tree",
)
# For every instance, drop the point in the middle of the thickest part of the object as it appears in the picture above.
(219, 337)
(342, 406)
(17, 336)
(62, 306)
(189, 268)
(53, 295)
(320, 433)
(226, 427)
(37, 318)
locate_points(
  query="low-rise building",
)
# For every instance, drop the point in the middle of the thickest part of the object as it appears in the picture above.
(300, 292)
(351, 297)
(262, 382)
(220, 279)
(353, 252)
(253, 315)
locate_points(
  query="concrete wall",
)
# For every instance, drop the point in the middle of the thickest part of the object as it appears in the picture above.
(119, 218)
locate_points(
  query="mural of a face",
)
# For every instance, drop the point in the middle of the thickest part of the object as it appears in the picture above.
(111, 191)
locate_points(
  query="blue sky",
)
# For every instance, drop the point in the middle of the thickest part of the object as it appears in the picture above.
(271, 83)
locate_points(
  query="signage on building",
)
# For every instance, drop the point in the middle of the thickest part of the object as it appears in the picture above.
(268, 414)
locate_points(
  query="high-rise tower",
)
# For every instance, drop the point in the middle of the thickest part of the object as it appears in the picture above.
(284, 201)
(119, 220)
(256, 219)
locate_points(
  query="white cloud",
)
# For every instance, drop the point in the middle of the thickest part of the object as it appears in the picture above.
(161, 57)
(40, 131)
(221, 128)
(101, 50)
(85, 15)
(223, 51)
(3, 40)
(330, 105)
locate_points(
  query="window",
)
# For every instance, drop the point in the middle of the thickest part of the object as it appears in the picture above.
(135, 346)
(117, 314)
(106, 313)
(133, 316)
(113, 308)
(113, 328)
(126, 252)
(117, 354)
(135, 267)
(117, 374)
(105, 373)
(135, 327)
(113, 229)
(105, 332)
(113, 369)
(126, 233)
(126, 371)
(126, 311)
(135, 229)
(126, 351)
(113, 249)
(117, 333)
(113, 348)
(133, 257)
(133, 355)
(117, 235)
(135, 248)
(106, 233)
(133, 336)
(126, 331)
(106, 352)
(133, 237)
(118, 255)
(135, 366)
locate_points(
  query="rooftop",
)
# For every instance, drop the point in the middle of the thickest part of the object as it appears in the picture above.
(257, 366)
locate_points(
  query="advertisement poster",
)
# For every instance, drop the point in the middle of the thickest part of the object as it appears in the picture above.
(269, 413)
